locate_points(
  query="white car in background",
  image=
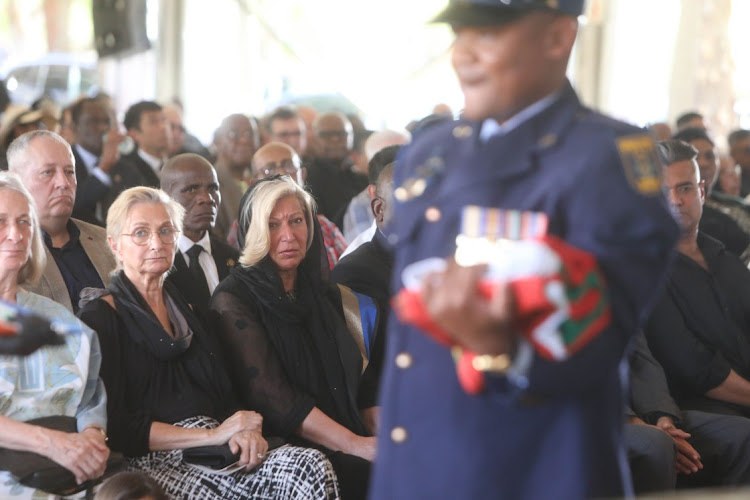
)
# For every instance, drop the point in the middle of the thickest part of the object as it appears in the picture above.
(61, 77)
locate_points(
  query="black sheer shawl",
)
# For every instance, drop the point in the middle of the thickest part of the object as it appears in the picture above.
(150, 376)
(287, 355)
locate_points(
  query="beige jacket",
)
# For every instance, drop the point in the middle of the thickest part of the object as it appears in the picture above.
(94, 242)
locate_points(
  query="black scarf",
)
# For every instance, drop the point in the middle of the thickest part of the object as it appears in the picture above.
(144, 329)
(315, 312)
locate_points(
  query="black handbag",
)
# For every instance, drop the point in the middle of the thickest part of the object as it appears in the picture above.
(213, 457)
(220, 456)
(39, 472)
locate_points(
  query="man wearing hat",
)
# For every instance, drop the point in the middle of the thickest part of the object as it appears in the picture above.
(16, 121)
(530, 237)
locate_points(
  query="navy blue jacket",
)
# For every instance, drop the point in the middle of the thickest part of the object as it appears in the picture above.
(560, 436)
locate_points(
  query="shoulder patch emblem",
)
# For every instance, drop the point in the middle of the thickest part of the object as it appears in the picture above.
(462, 132)
(641, 163)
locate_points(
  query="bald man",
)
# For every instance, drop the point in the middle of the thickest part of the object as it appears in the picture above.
(202, 260)
(331, 178)
(279, 158)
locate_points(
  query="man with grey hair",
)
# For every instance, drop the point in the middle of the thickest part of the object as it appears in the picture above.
(77, 252)
(330, 175)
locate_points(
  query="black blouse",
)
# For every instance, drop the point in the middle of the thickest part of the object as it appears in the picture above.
(284, 366)
(143, 387)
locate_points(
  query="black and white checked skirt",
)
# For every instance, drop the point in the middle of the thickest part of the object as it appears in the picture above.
(288, 472)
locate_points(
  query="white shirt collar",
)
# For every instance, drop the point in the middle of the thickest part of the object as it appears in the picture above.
(491, 128)
(90, 160)
(184, 243)
(153, 161)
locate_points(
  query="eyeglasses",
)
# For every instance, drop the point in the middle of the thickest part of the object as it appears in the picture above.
(285, 167)
(141, 236)
(233, 135)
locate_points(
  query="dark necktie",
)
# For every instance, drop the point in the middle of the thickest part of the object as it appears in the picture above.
(202, 291)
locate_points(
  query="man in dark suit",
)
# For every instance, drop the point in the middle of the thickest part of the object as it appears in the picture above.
(147, 124)
(95, 152)
(368, 269)
(330, 175)
(202, 260)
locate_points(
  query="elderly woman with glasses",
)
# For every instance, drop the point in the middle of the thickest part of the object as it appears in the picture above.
(162, 369)
(54, 381)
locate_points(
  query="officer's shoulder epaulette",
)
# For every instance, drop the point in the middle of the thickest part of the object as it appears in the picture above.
(435, 138)
(634, 146)
(438, 131)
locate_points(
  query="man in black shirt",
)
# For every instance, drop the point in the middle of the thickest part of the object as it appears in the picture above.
(699, 329)
(725, 217)
(705, 449)
(330, 175)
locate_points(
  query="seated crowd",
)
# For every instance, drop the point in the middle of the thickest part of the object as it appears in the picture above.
(232, 301)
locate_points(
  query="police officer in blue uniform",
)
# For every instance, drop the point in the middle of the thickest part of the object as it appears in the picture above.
(539, 428)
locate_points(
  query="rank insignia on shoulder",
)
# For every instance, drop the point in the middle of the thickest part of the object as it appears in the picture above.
(462, 131)
(425, 175)
(641, 163)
